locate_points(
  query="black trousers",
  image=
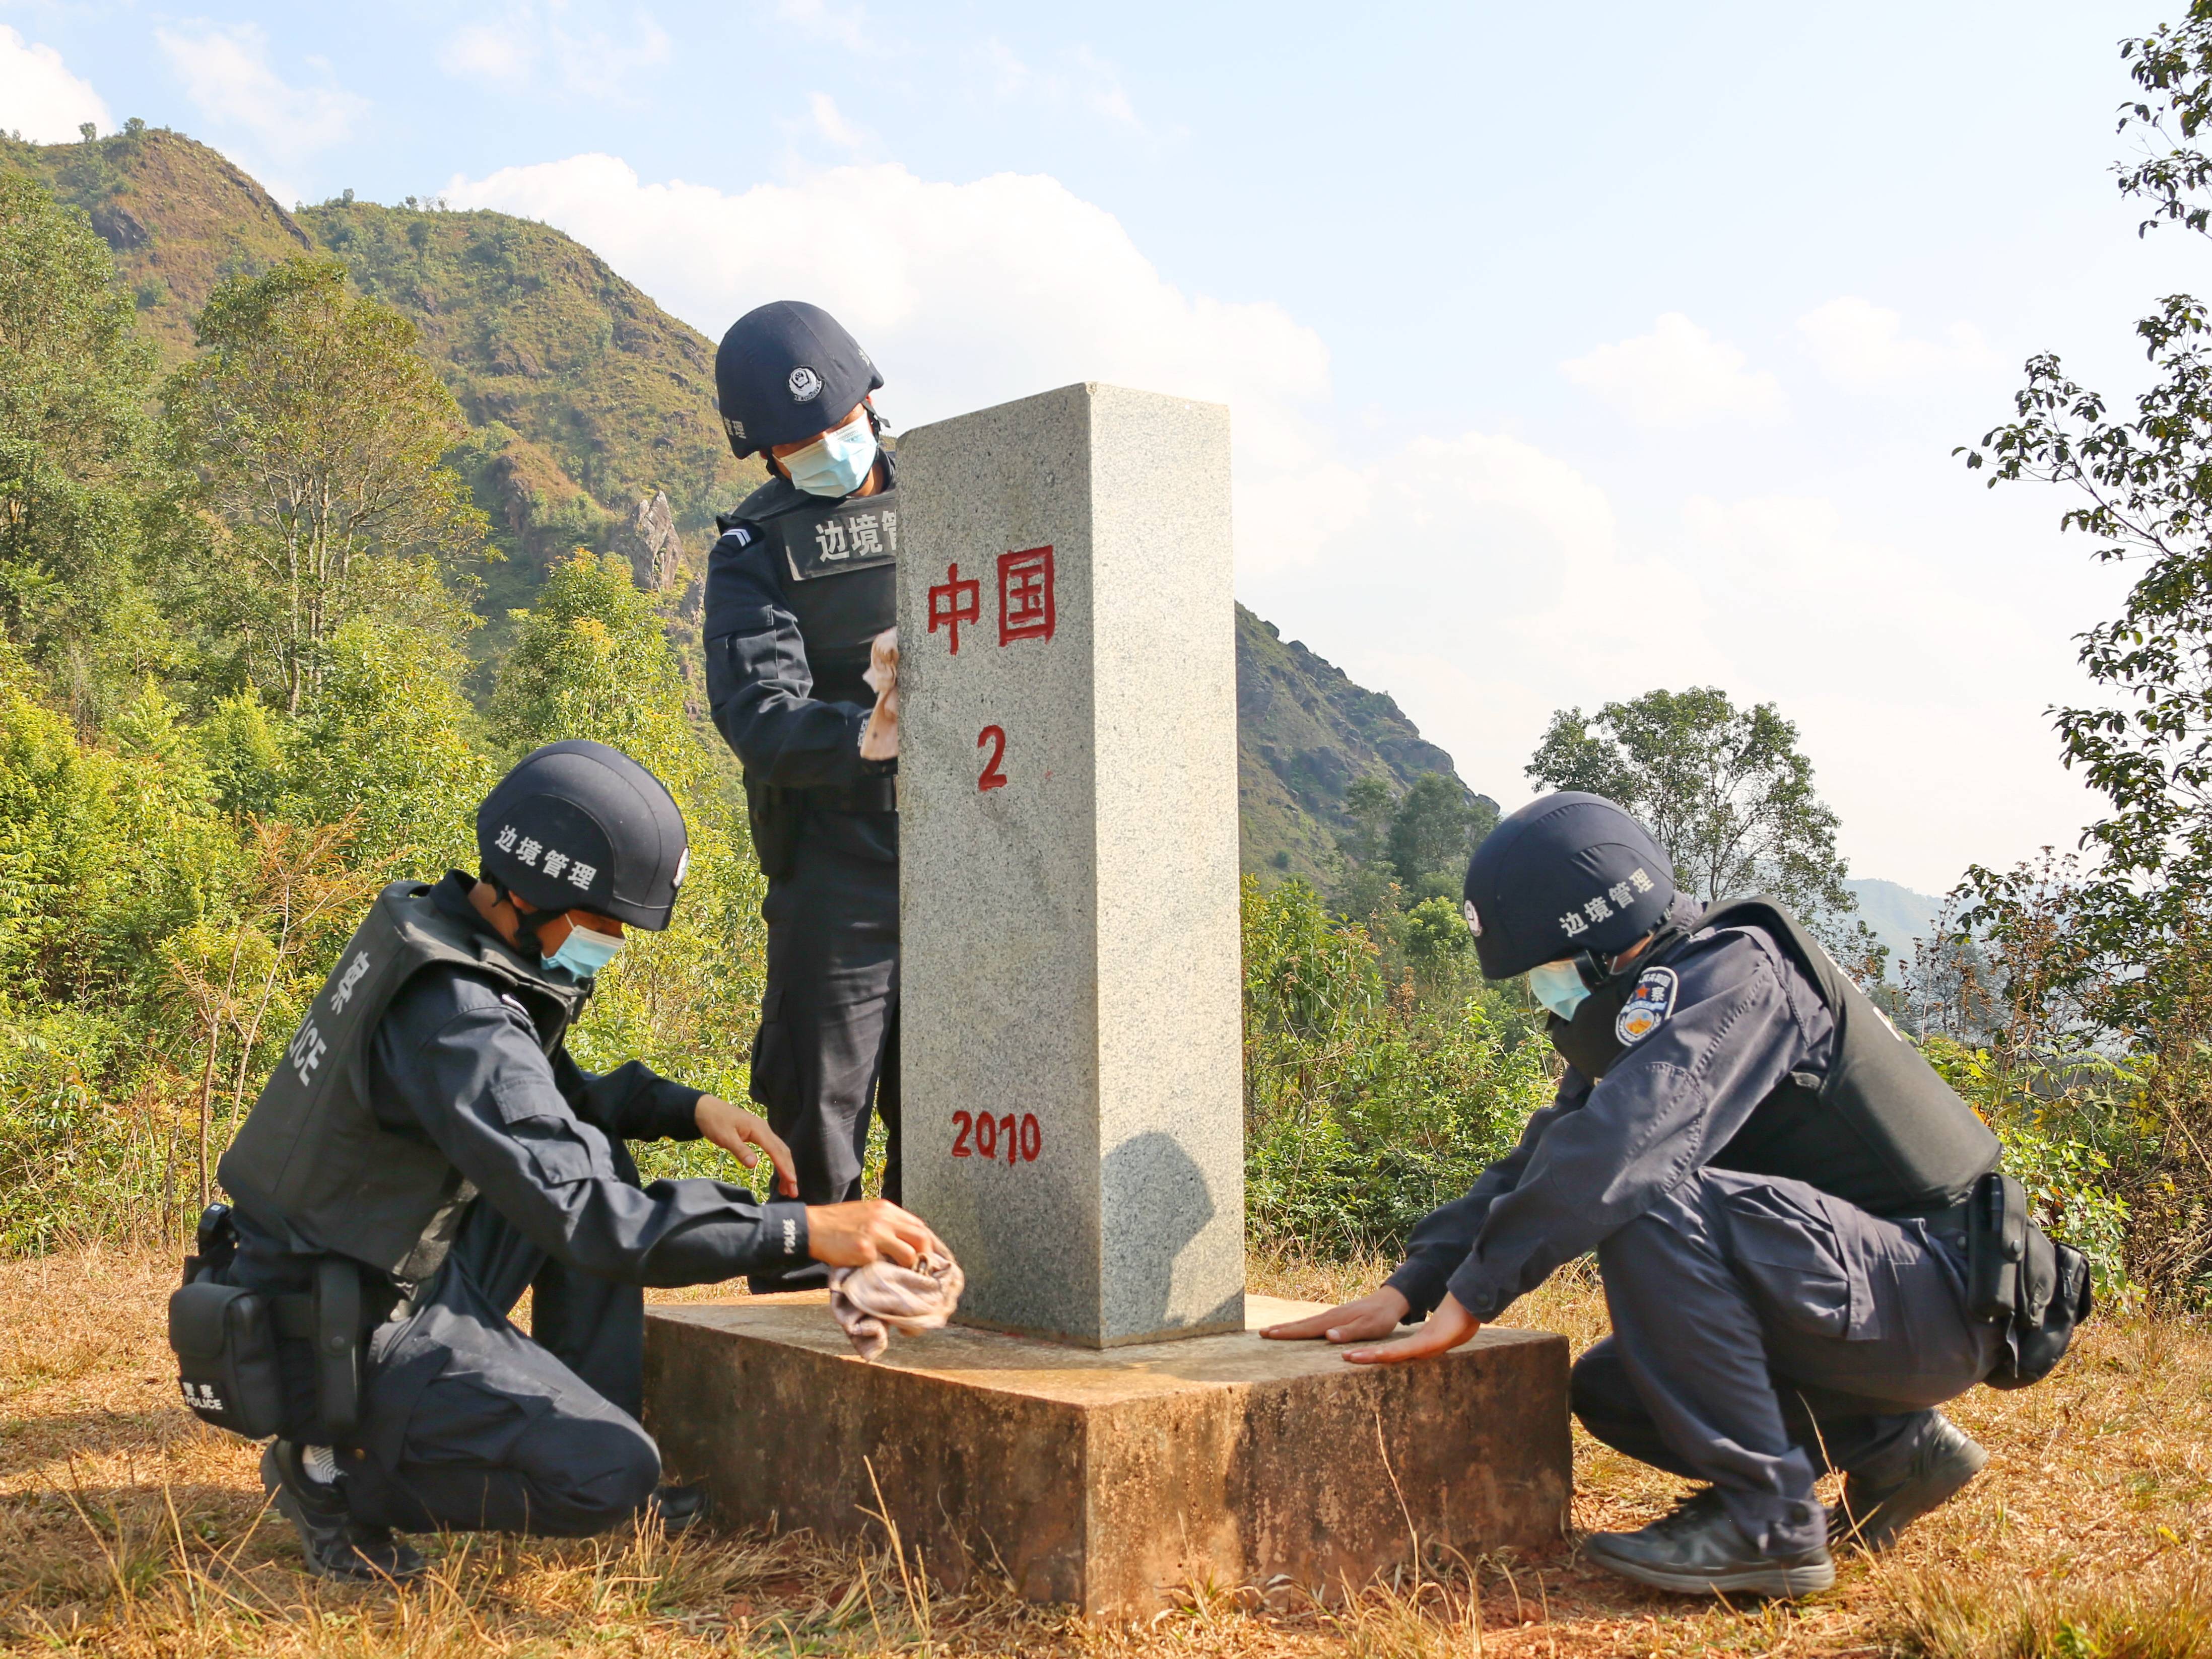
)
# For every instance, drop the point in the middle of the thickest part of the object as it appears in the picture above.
(827, 1051)
(470, 1424)
(1763, 1332)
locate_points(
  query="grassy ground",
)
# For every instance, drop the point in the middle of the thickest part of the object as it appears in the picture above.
(127, 1528)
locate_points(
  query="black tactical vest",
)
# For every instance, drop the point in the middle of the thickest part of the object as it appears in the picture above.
(312, 1158)
(1882, 1130)
(839, 563)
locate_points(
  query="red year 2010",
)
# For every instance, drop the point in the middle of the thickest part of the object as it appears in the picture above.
(981, 1135)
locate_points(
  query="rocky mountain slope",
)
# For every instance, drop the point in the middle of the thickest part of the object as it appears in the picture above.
(593, 425)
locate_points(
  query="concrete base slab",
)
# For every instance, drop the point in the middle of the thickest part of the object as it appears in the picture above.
(1104, 1478)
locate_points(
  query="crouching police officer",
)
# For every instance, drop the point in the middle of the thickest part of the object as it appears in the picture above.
(426, 1151)
(1805, 1246)
(801, 583)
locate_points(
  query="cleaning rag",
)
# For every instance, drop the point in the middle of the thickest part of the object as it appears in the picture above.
(870, 1303)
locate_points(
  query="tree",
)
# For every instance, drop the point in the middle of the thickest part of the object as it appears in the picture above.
(2145, 487)
(1433, 833)
(73, 450)
(315, 431)
(2126, 946)
(591, 661)
(1725, 790)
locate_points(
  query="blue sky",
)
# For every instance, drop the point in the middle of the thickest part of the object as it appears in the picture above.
(1568, 354)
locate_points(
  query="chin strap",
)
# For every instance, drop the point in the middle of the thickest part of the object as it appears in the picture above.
(527, 922)
(1597, 972)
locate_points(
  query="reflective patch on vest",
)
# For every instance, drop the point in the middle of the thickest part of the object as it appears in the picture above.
(857, 532)
(1648, 1005)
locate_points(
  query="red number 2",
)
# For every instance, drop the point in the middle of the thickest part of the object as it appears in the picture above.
(992, 778)
(966, 1121)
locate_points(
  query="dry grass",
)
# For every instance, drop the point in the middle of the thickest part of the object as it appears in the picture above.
(126, 1528)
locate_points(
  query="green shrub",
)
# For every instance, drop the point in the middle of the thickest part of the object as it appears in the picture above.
(1368, 1105)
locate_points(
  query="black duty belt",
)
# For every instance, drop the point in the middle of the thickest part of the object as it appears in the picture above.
(868, 795)
(1951, 1223)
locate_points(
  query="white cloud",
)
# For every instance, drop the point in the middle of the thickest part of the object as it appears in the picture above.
(1481, 579)
(1098, 84)
(1494, 585)
(1862, 346)
(40, 98)
(1677, 375)
(829, 121)
(1077, 76)
(530, 43)
(838, 25)
(968, 295)
(488, 51)
(226, 73)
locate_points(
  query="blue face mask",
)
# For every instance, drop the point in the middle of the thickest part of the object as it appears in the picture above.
(1559, 986)
(835, 463)
(584, 952)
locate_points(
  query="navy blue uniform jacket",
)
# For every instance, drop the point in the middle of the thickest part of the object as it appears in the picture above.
(1600, 1155)
(457, 1061)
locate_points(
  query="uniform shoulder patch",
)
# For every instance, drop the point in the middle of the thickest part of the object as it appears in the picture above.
(1648, 1005)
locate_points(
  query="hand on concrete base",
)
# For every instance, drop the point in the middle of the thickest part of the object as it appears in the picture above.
(1444, 1330)
(1376, 1314)
(739, 1132)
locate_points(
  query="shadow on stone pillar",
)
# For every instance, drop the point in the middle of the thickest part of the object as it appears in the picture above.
(1158, 1193)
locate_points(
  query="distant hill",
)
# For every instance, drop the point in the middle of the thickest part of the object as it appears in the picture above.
(1306, 734)
(586, 397)
(586, 401)
(1898, 917)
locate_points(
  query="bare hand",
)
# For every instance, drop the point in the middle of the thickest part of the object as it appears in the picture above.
(1376, 1314)
(737, 1131)
(871, 1229)
(1447, 1327)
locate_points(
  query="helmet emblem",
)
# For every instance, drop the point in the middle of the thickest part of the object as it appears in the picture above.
(806, 384)
(1473, 921)
(682, 866)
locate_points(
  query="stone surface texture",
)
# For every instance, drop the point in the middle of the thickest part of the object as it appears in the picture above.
(1105, 1479)
(1069, 972)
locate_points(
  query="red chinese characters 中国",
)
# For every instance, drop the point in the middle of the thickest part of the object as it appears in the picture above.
(954, 601)
(1025, 608)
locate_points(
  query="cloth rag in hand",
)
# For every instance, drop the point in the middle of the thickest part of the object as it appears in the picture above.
(870, 1303)
(879, 738)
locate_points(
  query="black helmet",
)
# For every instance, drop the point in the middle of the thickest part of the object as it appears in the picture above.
(785, 372)
(577, 825)
(1567, 875)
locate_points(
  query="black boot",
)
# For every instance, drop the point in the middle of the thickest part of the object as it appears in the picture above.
(1881, 1502)
(336, 1545)
(1699, 1551)
(678, 1509)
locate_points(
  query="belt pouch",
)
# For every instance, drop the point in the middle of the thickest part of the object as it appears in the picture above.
(773, 815)
(338, 1345)
(1996, 1240)
(226, 1353)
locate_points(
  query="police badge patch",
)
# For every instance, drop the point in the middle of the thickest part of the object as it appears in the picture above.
(1648, 1005)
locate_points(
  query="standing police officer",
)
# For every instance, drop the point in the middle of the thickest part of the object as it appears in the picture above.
(426, 1151)
(1777, 1188)
(801, 583)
